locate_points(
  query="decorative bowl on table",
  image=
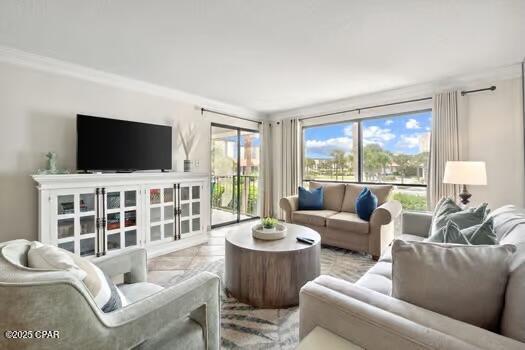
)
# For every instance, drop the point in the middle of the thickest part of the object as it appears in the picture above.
(269, 234)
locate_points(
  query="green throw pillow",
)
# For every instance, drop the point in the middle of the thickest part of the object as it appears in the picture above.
(482, 234)
(447, 210)
(450, 233)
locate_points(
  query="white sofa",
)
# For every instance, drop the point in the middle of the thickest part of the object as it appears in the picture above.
(365, 313)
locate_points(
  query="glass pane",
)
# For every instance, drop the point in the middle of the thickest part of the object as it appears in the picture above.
(224, 162)
(196, 224)
(154, 215)
(329, 152)
(114, 241)
(185, 226)
(168, 212)
(66, 228)
(168, 230)
(87, 202)
(130, 218)
(195, 192)
(184, 193)
(87, 246)
(69, 246)
(411, 198)
(113, 221)
(155, 233)
(87, 224)
(113, 199)
(130, 198)
(249, 179)
(168, 195)
(185, 210)
(396, 148)
(154, 196)
(195, 208)
(66, 204)
(130, 238)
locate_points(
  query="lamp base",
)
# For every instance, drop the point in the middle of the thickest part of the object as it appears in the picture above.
(464, 195)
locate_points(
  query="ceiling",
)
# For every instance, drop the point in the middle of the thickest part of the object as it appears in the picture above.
(272, 55)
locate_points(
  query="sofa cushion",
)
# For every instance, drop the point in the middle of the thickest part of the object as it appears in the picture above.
(466, 283)
(352, 191)
(44, 256)
(513, 318)
(136, 291)
(348, 222)
(509, 224)
(333, 194)
(310, 200)
(312, 217)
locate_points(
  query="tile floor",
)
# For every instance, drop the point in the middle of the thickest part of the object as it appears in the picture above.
(163, 268)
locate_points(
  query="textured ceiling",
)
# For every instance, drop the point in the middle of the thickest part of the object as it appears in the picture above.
(272, 55)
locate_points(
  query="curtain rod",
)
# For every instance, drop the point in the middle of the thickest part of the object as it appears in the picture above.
(365, 108)
(230, 115)
(465, 92)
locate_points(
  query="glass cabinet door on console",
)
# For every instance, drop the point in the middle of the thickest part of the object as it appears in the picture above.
(74, 220)
(160, 213)
(190, 209)
(122, 216)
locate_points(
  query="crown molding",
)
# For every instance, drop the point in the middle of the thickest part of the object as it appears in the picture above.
(51, 65)
(467, 81)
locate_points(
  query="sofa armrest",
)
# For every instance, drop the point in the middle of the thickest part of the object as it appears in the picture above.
(132, 262)
(197, 297)
(376, 321)
(382, 227)
(289, 205)
(418, 224)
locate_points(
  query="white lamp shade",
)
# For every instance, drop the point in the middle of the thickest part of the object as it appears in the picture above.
(465, 173)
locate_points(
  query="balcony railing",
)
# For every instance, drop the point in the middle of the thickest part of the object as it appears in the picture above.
(225, 194)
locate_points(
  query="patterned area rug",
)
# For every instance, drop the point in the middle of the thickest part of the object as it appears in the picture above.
(247, 327)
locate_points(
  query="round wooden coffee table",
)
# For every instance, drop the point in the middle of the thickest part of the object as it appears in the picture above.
(270, 273)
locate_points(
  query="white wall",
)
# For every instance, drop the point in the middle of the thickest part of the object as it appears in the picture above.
(38, 113)
(493, 129)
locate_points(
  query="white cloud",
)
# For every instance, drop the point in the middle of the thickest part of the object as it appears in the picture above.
(410, 141)
(327, 146)
(376, 134)
(389, 122)
(412, 124)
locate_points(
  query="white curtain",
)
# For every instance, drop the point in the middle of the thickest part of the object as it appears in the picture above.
(266, 183)
(445, 145)
(289, 166)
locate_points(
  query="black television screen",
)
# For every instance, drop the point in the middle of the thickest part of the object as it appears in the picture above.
(113, 145)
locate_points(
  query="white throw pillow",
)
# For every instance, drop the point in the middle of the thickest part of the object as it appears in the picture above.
(104, 292)
(49, 257)
(466, 283)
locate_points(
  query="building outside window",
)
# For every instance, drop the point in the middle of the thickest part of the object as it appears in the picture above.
(385, 150)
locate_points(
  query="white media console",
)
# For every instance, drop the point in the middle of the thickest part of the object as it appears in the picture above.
(97, 214)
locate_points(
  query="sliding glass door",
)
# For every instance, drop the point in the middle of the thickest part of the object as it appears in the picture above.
(235, 155)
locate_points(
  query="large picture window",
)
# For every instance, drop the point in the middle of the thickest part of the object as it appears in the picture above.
(391, 149)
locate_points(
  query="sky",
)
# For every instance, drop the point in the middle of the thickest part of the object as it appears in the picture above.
(397, 134)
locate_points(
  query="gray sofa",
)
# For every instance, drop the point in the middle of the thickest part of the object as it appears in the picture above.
(185, 316)
(366, 314)
(338, 223)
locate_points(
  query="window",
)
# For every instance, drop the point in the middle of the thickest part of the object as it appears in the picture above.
(390, 149)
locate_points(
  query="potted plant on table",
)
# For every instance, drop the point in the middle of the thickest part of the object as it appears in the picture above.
(269, 224)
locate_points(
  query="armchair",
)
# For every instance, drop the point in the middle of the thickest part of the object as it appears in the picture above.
(183, 316)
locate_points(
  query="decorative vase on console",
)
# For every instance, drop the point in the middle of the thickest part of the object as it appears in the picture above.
(187, 142)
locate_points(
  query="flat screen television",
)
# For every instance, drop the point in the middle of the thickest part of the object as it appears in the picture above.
(119, 145)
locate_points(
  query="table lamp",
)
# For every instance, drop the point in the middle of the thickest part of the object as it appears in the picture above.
(465, 173)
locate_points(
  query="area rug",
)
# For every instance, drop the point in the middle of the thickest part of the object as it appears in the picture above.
(248, 327)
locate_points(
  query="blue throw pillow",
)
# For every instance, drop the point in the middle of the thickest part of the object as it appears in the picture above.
(365, 204)
(310, 200)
